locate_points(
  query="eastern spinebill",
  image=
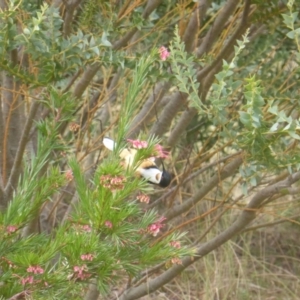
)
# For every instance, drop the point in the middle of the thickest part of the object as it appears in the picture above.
(146, 168)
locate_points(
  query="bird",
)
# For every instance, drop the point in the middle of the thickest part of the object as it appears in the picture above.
(146, 168)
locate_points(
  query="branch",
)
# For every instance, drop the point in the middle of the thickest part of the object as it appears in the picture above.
(123, 41)
(181, 125)
(217, 27)
(92, 70)
(16, 169)
(190, 177)
(112, 90)
(227, 171)
(229, 47)
(85, 80)
(13, 118)
(149, 109)
(1, 131)
(2, 195)
(150, 7)
(70, 5)
(190, 34)
(168, 114)
(247, 216)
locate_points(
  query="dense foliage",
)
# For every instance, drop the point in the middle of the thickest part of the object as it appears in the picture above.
(213, 82)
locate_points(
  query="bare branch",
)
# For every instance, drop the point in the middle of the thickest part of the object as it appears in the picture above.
(229, 47)
(16, 169)
(70, 7)
(190, 34)
(168, 114)
(150, 7)
(217, 27)
(13, 117)
(124, 40)
(149, 109)
(246, 217)
(85, 80)
(181, 125)
(190, 177)
(1, 131)
(226, 172)
(104, 113)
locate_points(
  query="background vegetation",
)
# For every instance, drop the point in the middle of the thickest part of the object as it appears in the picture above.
(225, 103)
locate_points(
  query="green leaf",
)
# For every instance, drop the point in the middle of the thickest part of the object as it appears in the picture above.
(245, 118)
(288, 20)
(294, 135)
(26, 31)
(274, 127)
(104, 41)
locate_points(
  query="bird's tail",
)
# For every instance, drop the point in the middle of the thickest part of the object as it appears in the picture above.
(109, 143)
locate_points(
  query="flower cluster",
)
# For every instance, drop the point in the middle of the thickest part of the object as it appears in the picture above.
(69, 175)
(26, 280)
(143, 198)
(11, 229)
(10, 263)
(88, 256)
(175, 244)
(35, 270)
(160, 152)
(112, 182)
(81, 272)
(154, 228)
(138, 144)
(86, 228)
(163, 53)
(30, 279)
(108, 224)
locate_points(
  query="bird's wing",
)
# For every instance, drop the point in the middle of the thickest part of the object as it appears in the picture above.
(109, 143)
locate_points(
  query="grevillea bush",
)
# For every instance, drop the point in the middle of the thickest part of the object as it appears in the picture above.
(206, 89)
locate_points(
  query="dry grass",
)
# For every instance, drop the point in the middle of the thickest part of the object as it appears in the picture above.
(262, 265)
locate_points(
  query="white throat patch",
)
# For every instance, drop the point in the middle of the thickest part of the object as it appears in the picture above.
(152, 174)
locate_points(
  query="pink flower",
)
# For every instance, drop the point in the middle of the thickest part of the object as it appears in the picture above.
(138, 144)
(154, 228)
(108, 224)
(28, 279)
(35, 270)
(78, 269)
(175, 244)
(10, 264)
(161, 152)
(69, 175)
(143, 198)
(80, 272)
(89, 257)
(117, 180)
(86, 228)
(11, 228)
(163, 53)
(112, 182)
